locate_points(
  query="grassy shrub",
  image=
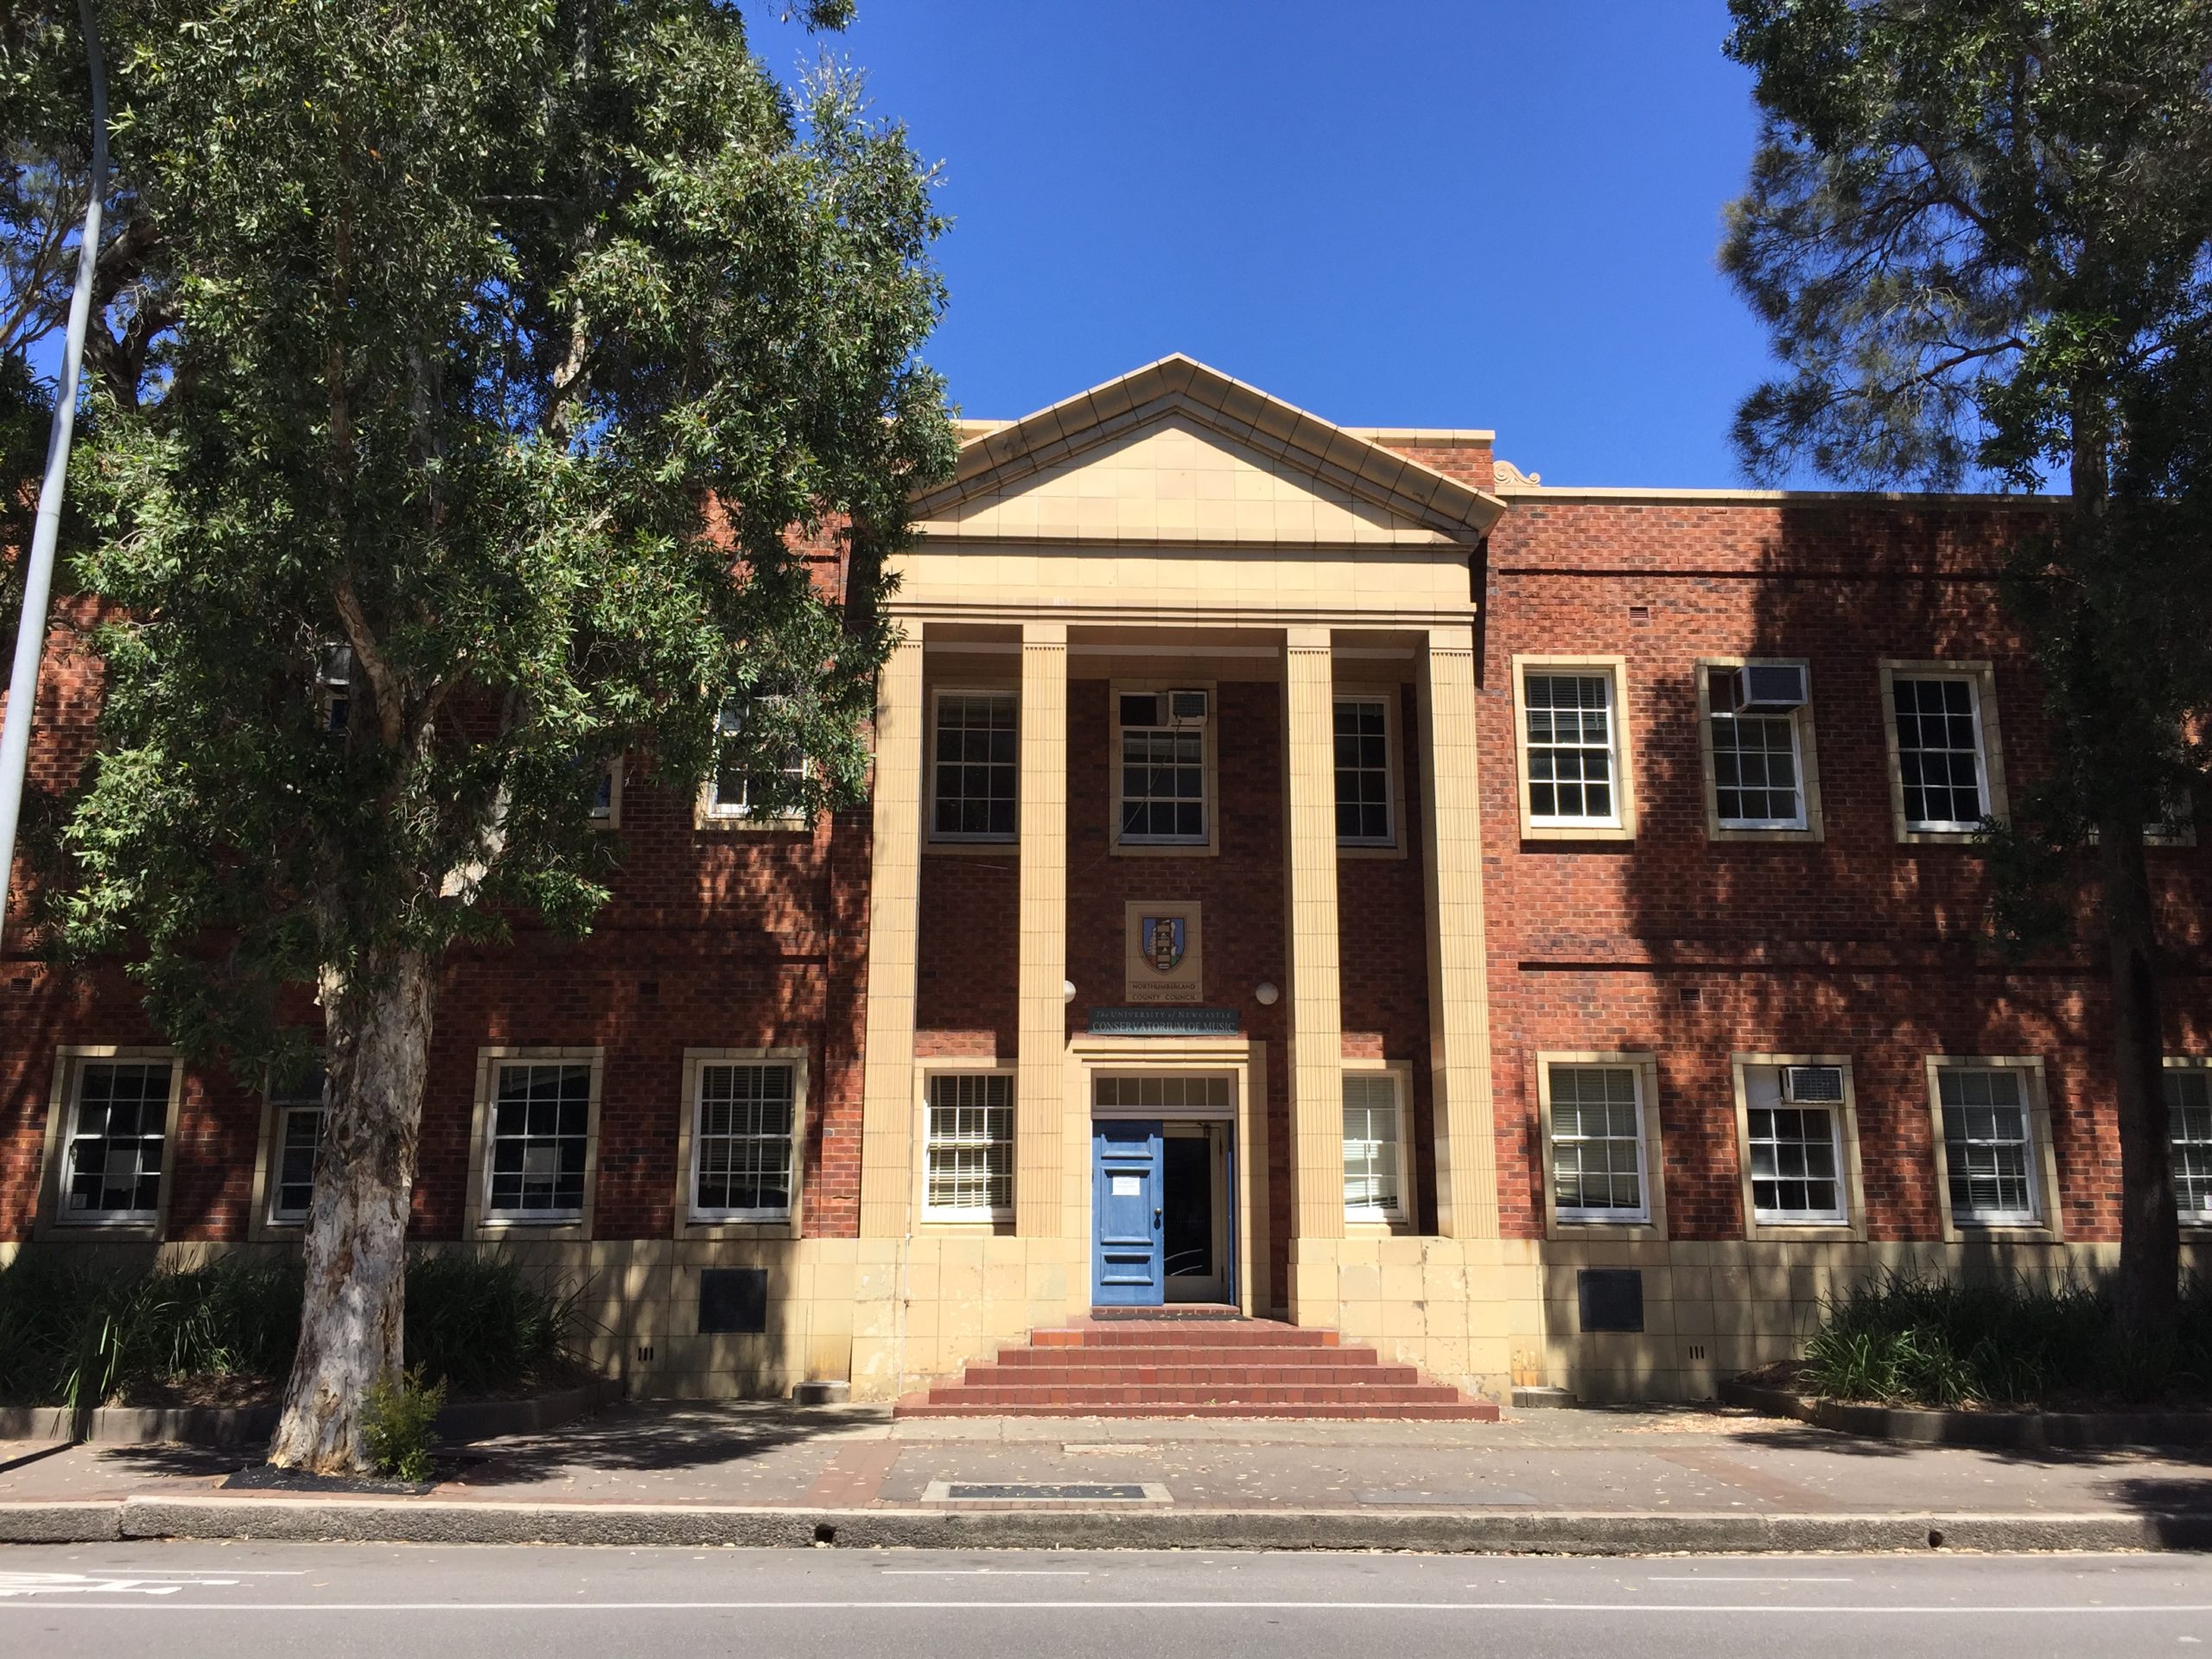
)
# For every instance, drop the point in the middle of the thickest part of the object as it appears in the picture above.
(397, 1423)
(77, 1335)
(479, 1323)
(1906, 1340)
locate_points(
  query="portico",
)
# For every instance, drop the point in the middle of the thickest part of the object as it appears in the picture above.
(1150, 635)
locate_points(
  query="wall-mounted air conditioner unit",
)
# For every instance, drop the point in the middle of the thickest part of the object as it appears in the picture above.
(1766, 689)
(1813, 1086)
(1187, 707)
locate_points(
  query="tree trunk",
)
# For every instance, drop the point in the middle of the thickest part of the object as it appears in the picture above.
(376, 1056)
(2149, 1233)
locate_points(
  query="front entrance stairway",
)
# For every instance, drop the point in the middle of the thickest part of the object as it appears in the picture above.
(1191, 1368)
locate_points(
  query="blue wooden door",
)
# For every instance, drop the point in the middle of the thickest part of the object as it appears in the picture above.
(1128, 1264)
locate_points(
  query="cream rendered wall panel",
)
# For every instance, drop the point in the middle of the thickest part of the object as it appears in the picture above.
(894, 921)
(1040, 1102)
(1459, 984)
(1316, 1009)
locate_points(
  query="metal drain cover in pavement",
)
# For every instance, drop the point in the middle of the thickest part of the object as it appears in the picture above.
(1027, 1491)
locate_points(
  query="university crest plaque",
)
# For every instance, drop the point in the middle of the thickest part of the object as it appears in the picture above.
(1164, 953)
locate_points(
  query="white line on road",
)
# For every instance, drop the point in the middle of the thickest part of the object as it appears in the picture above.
(1107, 1606)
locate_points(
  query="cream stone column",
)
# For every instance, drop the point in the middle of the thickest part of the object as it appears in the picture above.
(1459, 975)
(1317, 1099)
(887, 1101)
(1040, 1070)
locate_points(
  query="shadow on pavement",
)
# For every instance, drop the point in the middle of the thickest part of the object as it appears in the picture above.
(651, 1435)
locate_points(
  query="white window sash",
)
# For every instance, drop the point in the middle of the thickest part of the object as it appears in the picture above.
(1581, 1215)
(519, 1215)
(742, 810)
(279, 1143)
(1796, 766)
(1980, 753)
(699, 1139)
(1389, 835)
(1612, 820)
(1122, 797)
(932, 1141)
(1000, 837)
(1840, 1214)
(96, 1218)
(2031, 1170)
(1395, 1210)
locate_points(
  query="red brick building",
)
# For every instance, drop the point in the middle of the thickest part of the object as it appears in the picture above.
(1319, 871)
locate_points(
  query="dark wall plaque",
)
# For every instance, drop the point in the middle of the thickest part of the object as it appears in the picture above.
(733, 1299)
(1612, 1297)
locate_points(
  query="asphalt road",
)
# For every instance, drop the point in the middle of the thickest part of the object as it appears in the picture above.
(213, 1601)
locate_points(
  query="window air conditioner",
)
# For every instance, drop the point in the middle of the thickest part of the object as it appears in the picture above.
(1813, 1086)
(1187, 708)
(1767, 688)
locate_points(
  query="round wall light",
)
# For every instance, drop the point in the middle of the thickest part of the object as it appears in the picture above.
(1067, 990)
(1265, 993)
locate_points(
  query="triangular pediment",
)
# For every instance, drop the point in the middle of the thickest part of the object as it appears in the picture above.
(1179, 453)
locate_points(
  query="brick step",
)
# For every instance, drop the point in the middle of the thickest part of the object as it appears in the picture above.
(1183, 1372)
(1460, 1411)
(1248, 1354)
(1162, 1333)
(1076, 1396)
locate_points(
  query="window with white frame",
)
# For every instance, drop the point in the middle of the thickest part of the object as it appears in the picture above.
(1570, 745)
(744, 1142)
(1373, 1176)
(297, 1112)
(540, 1138)
(118, 1124)
(738, 790)
(974, 780)
(1163, 770)
(2189, 1119)
(1941, 760)
(607, 796)
(1758, 769)
(335, 688)
(1989, 1155)
(1363, 739)
(1794, 1132)
(1598, 1154)
(970, 1145)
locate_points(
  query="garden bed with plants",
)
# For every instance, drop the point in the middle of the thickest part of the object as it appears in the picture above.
(2002, 1364)
(201, 1353)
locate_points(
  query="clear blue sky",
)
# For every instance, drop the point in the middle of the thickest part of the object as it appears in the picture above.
(1425, 213)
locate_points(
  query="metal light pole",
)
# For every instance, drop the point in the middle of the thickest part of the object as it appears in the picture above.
(38, 566)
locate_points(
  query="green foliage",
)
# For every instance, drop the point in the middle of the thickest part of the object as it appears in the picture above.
(1902, 1340)
(477, 1323)
(1962, 215)
(76, 1335)
(505, 344)
(73, 1335)
(399, 1422)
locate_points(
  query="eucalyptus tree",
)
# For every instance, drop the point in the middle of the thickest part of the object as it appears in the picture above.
(516, 348)
(1980, 232)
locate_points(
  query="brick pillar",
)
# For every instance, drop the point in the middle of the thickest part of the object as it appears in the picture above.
(1040, 1074)
(888, 1105)
(1317, 1103)
(1458, 979)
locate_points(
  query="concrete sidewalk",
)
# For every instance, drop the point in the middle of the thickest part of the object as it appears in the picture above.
(1609, 1480)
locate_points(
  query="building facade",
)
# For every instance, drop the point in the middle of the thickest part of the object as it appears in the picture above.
(1319, 871)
